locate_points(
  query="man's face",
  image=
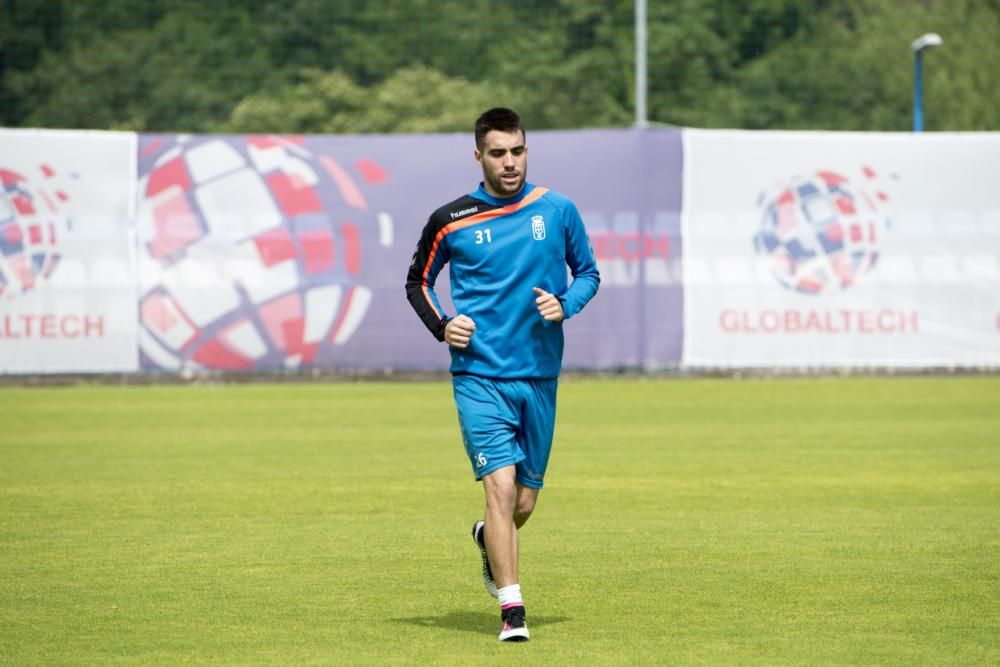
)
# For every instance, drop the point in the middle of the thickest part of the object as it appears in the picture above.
(504, 158)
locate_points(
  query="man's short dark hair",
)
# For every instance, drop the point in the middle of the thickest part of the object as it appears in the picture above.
(501, 119)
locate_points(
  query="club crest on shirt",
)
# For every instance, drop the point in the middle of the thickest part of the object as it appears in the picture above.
(538, 227)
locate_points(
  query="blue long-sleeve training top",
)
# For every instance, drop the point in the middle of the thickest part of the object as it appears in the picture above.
(497, 251)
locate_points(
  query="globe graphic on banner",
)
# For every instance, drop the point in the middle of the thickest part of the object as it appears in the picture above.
(820, 231)
(252, 252)
(34, 219)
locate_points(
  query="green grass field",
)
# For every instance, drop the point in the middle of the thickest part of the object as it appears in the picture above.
(819, 521)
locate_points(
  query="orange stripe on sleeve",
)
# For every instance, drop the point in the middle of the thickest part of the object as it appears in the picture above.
(531, 197)
(430, 301)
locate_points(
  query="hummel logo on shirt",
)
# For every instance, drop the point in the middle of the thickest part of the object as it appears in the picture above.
(463, 212)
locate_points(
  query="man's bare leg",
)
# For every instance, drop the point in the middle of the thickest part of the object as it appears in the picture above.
(506, 505)
(524, 504)
(500, 532)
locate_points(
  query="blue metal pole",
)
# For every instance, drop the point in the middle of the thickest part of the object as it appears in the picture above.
(918, 92)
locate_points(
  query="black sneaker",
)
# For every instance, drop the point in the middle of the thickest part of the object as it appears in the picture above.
(480, 538)
(515, 629)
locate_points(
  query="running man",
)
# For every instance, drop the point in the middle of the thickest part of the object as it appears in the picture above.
(508, 244)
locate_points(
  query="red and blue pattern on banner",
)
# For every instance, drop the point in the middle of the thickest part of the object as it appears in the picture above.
(251, 251)
(32, 221)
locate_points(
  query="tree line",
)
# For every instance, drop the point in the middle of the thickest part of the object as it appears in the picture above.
(382, 66)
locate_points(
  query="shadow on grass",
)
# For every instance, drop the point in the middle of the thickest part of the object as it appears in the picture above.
(474, 621)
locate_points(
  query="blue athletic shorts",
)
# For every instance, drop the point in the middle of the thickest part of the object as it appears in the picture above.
(507, 422)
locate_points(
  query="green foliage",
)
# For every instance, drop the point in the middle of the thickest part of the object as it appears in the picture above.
(431, 65)
(575, 69)
(26, 29)
(854, 71)
(420, 99)
(320, 102)
(177, 75)
(414, 99)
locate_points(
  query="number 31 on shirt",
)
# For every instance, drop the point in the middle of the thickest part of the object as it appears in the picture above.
(483, 235)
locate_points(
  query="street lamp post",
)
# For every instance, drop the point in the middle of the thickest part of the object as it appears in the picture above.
(641, 119)
(918, 46)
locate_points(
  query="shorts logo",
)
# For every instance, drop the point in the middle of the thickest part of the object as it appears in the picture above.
(480, 460)
(538, 227)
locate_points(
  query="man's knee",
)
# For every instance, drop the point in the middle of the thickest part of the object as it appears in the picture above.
(500, 489)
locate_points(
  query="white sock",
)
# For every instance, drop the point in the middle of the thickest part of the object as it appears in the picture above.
(510, 596)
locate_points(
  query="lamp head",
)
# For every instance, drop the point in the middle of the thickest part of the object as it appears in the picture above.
(924, 41)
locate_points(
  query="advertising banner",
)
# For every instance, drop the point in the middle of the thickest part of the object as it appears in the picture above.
(67, 275)
(841, 249)
(279, 252)
(174, 253)
(256, 252)
(627, 185)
